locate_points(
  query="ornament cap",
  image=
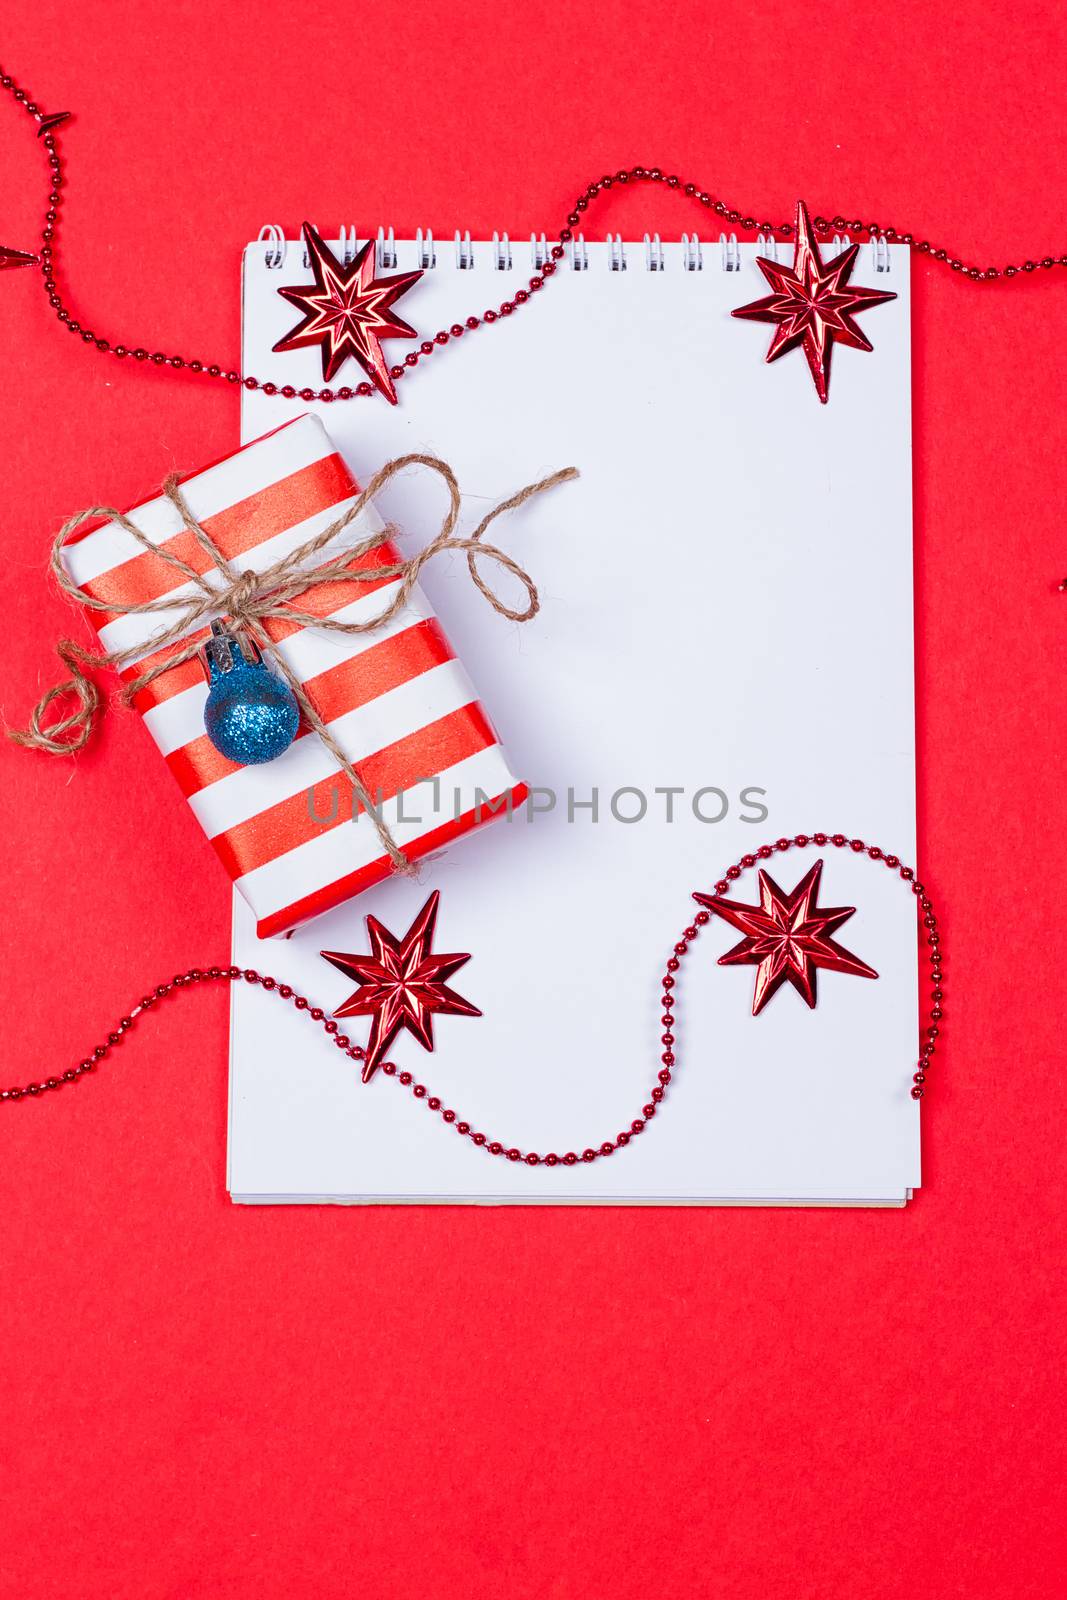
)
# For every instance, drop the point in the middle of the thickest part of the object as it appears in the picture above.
(227, 648)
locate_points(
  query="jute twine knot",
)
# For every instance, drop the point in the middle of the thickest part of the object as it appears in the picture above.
(249, 598)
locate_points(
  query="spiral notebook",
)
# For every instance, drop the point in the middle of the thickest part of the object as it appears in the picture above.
(723, 654)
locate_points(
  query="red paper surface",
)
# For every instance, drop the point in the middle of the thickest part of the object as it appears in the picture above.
(200, 1401)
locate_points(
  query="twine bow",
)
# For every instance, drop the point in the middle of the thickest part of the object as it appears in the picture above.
(249, 598)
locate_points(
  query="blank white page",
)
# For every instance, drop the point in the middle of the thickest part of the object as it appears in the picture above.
(726, 605)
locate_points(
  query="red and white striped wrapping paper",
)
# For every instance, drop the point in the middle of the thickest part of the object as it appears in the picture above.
(396, 700)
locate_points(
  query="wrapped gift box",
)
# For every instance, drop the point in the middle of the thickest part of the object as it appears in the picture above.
(397, 700)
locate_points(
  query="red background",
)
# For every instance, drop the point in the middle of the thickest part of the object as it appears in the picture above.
(199, 1400)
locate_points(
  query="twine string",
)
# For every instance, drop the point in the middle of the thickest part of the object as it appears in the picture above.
(250, 598)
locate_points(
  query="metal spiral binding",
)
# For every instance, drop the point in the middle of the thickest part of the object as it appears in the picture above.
(276, 250)
(731, 253)
(272, 236)
(880, 253)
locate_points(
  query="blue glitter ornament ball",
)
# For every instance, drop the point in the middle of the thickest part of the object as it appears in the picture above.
(251, 715)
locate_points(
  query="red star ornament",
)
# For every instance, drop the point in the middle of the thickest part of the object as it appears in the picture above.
(401, 984)
(812, 305)
(348, 311)
(787, 937)
(15, 258)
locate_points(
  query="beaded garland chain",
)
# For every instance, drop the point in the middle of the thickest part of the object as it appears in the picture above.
(668, 1038)
(46, 132)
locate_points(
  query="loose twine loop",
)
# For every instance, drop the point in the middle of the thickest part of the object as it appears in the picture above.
(249, 598)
